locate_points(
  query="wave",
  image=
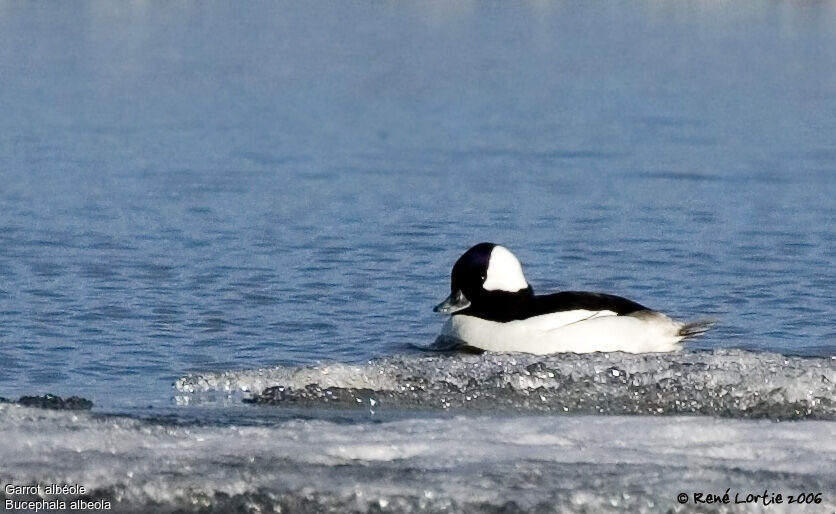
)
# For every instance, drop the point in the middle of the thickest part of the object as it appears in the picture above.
(726, 383)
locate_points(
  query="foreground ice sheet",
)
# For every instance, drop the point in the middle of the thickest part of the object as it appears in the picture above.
(729, 383)
(547, 463)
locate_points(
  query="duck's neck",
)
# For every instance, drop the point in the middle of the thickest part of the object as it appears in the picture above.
(500, 305)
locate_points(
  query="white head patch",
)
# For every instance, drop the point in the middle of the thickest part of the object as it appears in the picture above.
(504, 272)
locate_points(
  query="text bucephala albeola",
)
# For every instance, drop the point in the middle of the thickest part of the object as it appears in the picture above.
(493, 308)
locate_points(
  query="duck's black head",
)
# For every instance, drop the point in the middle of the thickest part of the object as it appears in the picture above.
(487, 281)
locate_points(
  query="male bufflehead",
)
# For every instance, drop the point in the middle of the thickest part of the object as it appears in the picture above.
(493, 308)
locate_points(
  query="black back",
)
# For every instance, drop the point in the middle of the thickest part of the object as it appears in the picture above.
(576, 300)
(503, 306)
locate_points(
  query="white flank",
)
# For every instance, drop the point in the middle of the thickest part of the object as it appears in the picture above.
(504, 272)
(649, 332)
(555, 320)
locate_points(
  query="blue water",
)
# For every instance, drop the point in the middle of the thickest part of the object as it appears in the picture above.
(206, 186)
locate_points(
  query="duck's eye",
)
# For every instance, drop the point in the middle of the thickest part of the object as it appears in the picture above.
(484, 277)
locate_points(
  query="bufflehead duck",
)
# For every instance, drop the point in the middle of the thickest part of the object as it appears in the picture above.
(493, 308)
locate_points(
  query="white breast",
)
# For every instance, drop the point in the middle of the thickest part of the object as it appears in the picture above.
(577, 331)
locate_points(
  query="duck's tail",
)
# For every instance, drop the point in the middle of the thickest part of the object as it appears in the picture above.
(694, 328)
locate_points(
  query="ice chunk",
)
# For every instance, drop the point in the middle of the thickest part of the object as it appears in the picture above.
(729, 383)
(463, 463)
